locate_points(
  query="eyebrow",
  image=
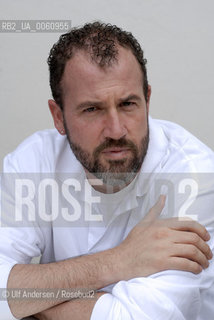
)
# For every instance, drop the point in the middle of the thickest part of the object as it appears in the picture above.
(87, 104)
(131, 97)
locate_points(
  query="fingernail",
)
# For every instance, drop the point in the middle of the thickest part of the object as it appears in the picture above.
(207, 236)
(210, 255)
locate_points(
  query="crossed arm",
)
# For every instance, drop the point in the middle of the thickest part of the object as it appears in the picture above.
(77, 309)
(152, 246)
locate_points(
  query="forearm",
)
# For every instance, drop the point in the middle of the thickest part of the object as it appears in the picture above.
(93, 271)
(76, 309)
(135, 257)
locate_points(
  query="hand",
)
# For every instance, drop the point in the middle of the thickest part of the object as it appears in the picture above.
(156, 245)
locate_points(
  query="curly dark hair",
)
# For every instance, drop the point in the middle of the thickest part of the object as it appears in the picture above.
(101, 41)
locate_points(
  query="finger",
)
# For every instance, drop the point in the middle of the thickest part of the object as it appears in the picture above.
(177, 263)
(155, 211)
(182, 237)
(192, 253)
(189, 225)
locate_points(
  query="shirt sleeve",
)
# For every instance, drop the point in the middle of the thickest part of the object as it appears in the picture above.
(5, 269)
(18, 243)
(168, 295)
(16, 246)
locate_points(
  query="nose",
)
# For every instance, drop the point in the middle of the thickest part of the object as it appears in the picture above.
(114, 127)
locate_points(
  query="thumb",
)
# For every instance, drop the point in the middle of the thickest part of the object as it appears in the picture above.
(155, 211)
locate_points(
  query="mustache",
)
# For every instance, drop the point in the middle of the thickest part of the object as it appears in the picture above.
(109, 143)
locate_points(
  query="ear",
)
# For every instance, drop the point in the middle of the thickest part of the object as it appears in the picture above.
(148, 98)
(57, 116)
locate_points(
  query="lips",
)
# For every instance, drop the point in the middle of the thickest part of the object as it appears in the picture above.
(115, 149)
(115, 152)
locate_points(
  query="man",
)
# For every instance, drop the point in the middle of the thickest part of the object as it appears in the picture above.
(100, 110)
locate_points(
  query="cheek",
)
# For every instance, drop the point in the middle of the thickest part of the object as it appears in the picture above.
(138, 127)
(85, 134)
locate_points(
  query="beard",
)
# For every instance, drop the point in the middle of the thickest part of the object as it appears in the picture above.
(116, 173)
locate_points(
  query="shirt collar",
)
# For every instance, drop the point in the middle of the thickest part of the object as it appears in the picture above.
(156, 154)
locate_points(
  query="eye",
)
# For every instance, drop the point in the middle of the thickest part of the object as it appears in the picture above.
(128, 104)
(90, 109)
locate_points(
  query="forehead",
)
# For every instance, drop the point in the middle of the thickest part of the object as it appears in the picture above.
(85, 77)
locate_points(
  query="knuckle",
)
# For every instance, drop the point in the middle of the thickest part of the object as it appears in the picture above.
(206, 249)
(194, 223)
(193, 267)
(161, 233)
(195, 239)
(193, 251)
(203, 232)
(196, 268)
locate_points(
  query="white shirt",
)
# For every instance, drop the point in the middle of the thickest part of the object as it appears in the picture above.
(166, 295)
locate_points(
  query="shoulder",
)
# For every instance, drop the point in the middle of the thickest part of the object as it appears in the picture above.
(41, 152)
(183, 151)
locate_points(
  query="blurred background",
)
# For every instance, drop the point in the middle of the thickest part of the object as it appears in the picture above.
(176, 35)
